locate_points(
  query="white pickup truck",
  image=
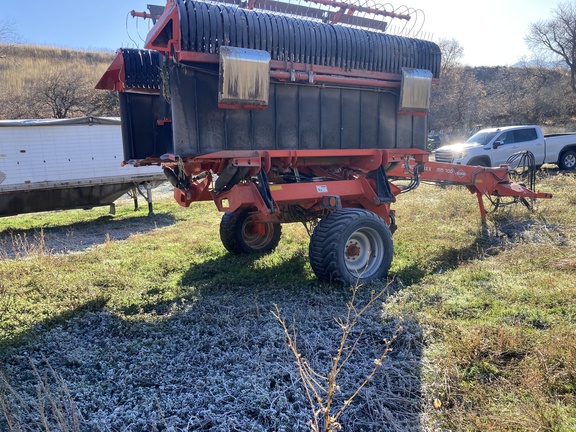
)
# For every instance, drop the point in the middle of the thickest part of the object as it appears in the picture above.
(493, 147)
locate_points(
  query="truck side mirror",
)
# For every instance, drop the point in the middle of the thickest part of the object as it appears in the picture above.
(497, 144)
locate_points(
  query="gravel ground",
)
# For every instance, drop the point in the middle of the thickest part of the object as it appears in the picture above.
(219, 363)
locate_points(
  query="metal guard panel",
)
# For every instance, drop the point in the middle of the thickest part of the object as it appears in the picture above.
(415, 90)
(244, 77)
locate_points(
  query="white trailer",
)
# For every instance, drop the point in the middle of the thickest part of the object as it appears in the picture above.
(67, 164)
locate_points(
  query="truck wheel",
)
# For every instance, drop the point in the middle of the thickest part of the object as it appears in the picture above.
(241, 234)
(351, 246)
(567, 160)
(479, 162)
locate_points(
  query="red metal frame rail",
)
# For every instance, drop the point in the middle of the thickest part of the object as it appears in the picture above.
(479, 180)
(348, 176)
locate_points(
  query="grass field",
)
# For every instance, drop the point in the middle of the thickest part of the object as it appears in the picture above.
(488, 318)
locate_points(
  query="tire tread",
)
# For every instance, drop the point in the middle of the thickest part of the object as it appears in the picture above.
(231, 234)
(323, 248)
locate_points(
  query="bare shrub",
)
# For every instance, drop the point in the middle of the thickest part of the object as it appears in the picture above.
(321, 389)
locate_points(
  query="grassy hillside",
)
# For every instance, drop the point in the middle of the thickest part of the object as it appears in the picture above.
(161, 325)
(27, 64)
(26, 71)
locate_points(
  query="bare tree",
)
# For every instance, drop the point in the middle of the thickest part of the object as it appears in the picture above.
(62, 92)
(557, 37)
(102, 103)
(456, 101)
(452, 52)
(7, 32)
(8, 36)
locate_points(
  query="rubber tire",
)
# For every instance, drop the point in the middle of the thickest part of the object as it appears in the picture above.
(336, 232)
(236, 236)
(478, 162)
(567, 160)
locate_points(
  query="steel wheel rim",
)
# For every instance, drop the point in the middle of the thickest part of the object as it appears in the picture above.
(570, 161)
(364, 252)
(252, 238)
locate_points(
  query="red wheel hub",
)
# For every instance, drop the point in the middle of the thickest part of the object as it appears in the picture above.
(352, 250)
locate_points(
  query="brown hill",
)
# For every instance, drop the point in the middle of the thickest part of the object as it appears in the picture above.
(51, 82)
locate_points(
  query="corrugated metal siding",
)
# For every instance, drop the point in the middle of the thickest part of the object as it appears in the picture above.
(62, 152)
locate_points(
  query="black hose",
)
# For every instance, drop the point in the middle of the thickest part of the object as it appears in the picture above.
(523, 165)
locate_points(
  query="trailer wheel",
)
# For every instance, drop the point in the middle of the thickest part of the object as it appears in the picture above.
(568, 160)
(351, 246)
(241, 234)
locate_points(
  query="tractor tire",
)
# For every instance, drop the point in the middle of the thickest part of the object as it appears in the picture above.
(351, 246)
(567, 160)
(239, 235)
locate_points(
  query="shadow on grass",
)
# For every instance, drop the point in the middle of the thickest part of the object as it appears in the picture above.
(249, 269)
(502, 232)
(78, 236)
(229, 272)
(21, 339)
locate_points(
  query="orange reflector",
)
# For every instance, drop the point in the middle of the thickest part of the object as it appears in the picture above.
(331, 202)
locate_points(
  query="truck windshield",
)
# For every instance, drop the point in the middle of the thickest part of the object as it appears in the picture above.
(481, 138)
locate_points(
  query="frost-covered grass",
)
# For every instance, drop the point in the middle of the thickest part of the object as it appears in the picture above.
(218, 363)
(149, 324)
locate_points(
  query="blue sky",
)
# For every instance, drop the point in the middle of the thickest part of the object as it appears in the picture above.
(491, 31)
(91, 25)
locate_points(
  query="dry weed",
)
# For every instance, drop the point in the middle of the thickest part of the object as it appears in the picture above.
(52, 410)
(321, 389)
(20, 245)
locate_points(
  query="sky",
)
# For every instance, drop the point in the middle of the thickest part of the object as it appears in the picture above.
(491, 32)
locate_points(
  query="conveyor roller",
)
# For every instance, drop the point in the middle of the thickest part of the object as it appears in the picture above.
(205, 27)
(141, 69)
